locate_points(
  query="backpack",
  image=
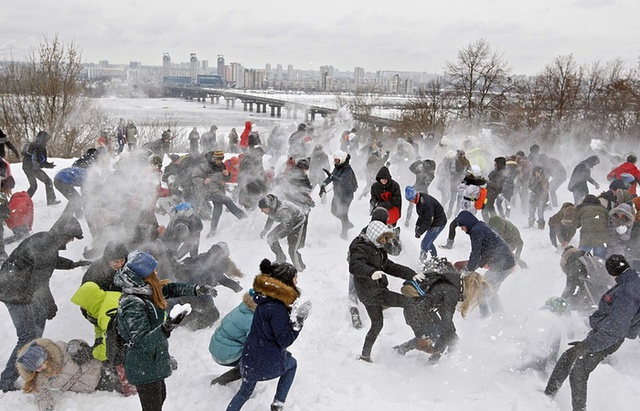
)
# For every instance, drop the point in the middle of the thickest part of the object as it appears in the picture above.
(116, 345)
(482, 198)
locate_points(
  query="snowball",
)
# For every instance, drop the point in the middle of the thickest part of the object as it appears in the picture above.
(180, 308)
(621, 229)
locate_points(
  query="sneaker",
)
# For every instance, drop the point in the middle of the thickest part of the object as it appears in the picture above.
(277, 406)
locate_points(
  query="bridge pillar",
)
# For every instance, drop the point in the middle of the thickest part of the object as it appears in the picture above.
(244, 105)
(251, 106)
(257, 107)
(273, 111)
(264, 107)
(228, 103)
(295, 113)
(278, 111)
(233, 103)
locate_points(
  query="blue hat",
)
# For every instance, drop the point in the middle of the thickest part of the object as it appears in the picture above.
(141, 263)
(33, 357)
(410, 193)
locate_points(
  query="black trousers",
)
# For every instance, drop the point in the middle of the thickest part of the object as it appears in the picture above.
(152, 395)
(386, 299)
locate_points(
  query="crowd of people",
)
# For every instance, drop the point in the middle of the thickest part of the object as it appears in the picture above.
(145, 278)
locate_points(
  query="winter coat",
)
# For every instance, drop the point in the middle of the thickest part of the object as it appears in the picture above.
(495, 183)
(132, 134)
(73, 176)
(254, 140)
(553, 169)
(72, 377)
(265, 354)
(24, 276)
(319, 161)
(209, 170)
(387, 195)
(343, 179)
(96, 302)
(35, 157)
(244, 137)
(298, 142)
(289, 216)
(581, 174)
(295, 186)
(425, 173)
(592, 220)
(562, 222)
(538, 189)
(618, 313)
(430, 214)
(178, 247)
(629, 168)
(509, 233)
(139, 323)
(487, 247)
(364, 258)
(101, 273)
(228, 339)
(620, 228)
(21, 211)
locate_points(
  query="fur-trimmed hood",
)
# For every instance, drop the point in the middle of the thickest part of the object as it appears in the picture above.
(267, 287)
(248, 299)
(131, 283)
(54, 355)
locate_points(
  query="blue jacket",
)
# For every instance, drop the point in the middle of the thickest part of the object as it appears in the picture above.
(618, 313)
(228, 340)
(487, 247)
(430, 214)
(265, 352)
(73, 176)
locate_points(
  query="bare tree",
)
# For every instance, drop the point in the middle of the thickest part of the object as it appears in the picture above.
(427, 112)
(45, 93)
(480, 79)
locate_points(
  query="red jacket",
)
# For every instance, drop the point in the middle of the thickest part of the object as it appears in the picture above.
(629, 168)
(244, 137)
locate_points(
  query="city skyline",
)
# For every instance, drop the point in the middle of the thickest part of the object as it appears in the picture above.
(375, 35)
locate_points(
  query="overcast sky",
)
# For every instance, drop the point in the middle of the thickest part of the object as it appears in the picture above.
(374, 34)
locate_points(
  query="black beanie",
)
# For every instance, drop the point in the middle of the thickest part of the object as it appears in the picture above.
(284, 272)
(114, 251)
(380, 214)
(616, 264)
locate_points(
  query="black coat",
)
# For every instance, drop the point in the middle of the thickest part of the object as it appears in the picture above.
(430, 214)
(487, 247)
(386, 195)
(24, 276)
(365, 258)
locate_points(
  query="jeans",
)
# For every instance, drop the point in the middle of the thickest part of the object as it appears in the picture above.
(284, 385)
(598, 251)
(491, 303)
(29, 325)
(428, 239)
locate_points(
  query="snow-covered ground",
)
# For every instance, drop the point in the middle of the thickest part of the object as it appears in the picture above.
(480, 376)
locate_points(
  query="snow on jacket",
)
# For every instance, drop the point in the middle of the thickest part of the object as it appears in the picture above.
(228, 339)
(366, 256)
(25, 275)
(592, 220)
(72, 377)
(97, 302)
(430, 214)
(265, 352)
(139, 323)
(618, 313)
(289, 215)
(387, 195)
(73, 176)
(343, 179)
(425, 173)
(487, 247)
(208, 175)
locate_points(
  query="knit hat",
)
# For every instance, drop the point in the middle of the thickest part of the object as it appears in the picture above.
(616, 264)
(410, 193)
(33, 357)
(632, 158)
(284, 272)
(115, 250)
(182, 209)
(377, 229)
(380, 214)
(141, 263)
(218, 155)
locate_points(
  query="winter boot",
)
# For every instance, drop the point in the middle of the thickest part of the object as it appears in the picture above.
(405, 347)
(530, 224)
(227, 377)
(355, 318)
(541, 225)
(277, 406)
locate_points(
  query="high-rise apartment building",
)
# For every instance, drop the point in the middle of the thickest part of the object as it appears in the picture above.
(220, 70)
(166, 65)
(193, 67)
(358, 75)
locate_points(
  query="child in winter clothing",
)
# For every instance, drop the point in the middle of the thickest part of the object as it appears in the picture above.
(47, 367)
(228, 340)
(265, 355)
(621, 220)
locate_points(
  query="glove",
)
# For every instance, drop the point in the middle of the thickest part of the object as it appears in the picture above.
(419, 277)
(597, 186)
(377, 275)
(170, 323)
(302, 312)
(205, 289)
(322, 190)
(81, 263)
(579, 348)
(262, 234)
(80, 351)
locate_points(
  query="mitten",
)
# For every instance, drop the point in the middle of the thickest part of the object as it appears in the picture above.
(205, 289)
(419, 277)
(171, 323)
(377, 275)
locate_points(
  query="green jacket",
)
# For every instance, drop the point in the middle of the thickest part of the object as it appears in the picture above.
(97, 302)
(139, 323)
(593, 221)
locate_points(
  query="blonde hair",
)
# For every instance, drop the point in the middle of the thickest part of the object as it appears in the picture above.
(475, 291)
(31, 382)
(156, 286)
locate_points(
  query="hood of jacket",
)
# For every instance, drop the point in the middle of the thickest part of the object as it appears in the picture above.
(467, 219)
(92, 298)
(267, 287)
(624, 209)
(497, 224)
(65, 229)
(43, 137)
(383, 173)
(131, 283)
